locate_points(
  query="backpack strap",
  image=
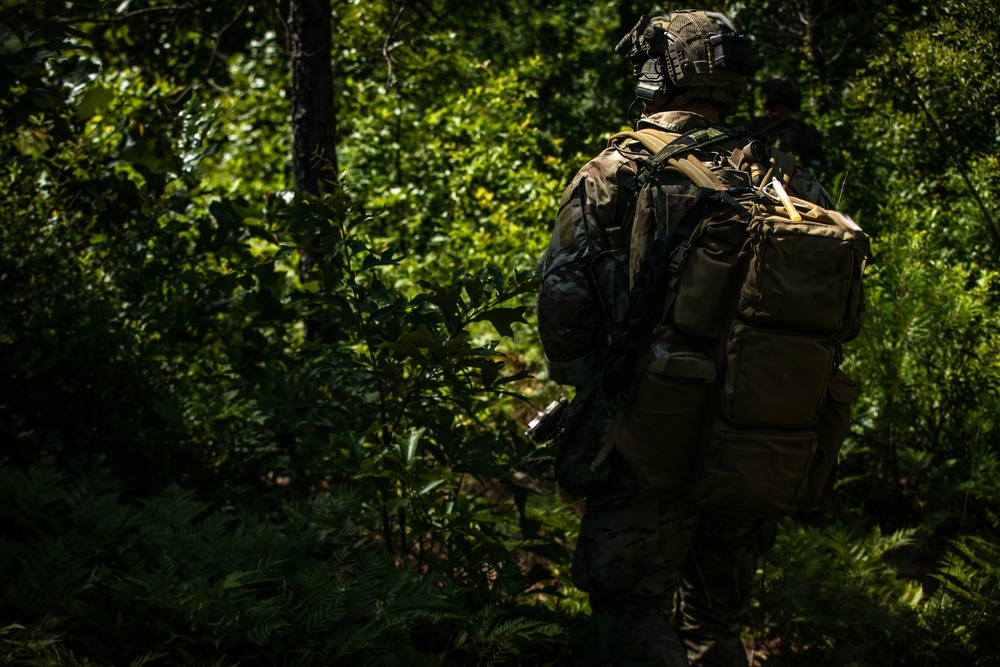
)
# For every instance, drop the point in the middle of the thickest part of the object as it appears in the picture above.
(652, 139)
(697, 172)
(781, 166)
(646, 298)
(775, 122)
(696, 139)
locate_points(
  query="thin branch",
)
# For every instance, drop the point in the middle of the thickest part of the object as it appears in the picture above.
(389, 60)
(843, 183)
(211, 59)
(161, 8)
(218, 38)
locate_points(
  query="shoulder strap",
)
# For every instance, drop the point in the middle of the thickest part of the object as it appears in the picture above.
(696, 139)
(665, 145)
(776, 121)
(652, 140)
(697, 171)
(781, 166)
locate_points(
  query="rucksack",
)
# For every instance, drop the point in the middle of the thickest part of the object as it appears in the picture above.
(727, 369)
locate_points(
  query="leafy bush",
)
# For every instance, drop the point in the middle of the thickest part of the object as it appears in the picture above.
(170, 578)
(833, 597)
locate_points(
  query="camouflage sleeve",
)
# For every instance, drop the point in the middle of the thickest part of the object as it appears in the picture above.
(581, 292)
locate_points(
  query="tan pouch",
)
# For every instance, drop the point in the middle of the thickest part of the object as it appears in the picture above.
(755, 472)
(709, 278)
(759, 390)
(800, 276)
(666, 416)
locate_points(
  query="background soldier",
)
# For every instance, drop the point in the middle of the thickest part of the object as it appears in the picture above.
(782, 98)
(674, 577)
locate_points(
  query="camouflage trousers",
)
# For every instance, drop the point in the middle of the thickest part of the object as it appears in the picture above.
(675, 579)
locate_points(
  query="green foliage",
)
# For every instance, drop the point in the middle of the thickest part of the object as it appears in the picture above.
(168, 577)
(893, 143)
(965, 612)
(152, 320)
(925, 426)
(833, 597)
(188, 478)
(830, 597)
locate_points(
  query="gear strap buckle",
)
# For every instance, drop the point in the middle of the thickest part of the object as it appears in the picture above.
(678, 255)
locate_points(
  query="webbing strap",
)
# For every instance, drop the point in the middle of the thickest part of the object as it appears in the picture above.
(665, 145)
(652, 140)
(698, 172)
(776, 121)
(610, 439)
(781, 166)
(696, 139)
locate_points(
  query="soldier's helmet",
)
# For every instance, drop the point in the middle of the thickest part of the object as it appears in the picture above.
(688, 54)
(781, 89)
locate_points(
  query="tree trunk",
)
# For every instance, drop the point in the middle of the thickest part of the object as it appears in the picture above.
(314, 131)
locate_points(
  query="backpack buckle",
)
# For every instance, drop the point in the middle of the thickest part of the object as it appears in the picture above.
(677, 256)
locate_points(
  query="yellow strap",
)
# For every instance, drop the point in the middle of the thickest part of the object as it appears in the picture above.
(652, 140)
(696, 170)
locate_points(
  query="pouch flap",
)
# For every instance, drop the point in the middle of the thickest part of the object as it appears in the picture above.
(842, 387)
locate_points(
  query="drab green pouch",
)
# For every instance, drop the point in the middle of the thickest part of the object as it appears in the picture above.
(665, 417)
(756, 471)
(804, 275)
(708, 278)
(831, 429)
(776, 378)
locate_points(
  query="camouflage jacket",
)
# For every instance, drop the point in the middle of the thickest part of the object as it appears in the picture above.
(792, 135)
(594, 255)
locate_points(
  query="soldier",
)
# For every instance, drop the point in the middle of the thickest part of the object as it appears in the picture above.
(674, 577)
(782, 98)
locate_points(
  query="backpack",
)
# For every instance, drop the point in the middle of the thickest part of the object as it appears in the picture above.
(728, 368)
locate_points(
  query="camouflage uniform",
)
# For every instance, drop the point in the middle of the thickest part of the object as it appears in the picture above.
(675, 578)
(794, 136)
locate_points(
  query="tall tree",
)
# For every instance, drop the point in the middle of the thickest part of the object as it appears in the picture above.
(314, 126)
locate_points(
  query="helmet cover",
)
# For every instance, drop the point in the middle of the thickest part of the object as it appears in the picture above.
(688, 54)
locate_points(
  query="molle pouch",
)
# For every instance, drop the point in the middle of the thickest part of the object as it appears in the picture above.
(708, 279)
(831, 429)
(800, 275)
(775, 377)
(666, 415)
(755, 472)
(585, 422)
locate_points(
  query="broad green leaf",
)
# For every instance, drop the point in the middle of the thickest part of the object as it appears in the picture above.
(502, 319)
(97, 97)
